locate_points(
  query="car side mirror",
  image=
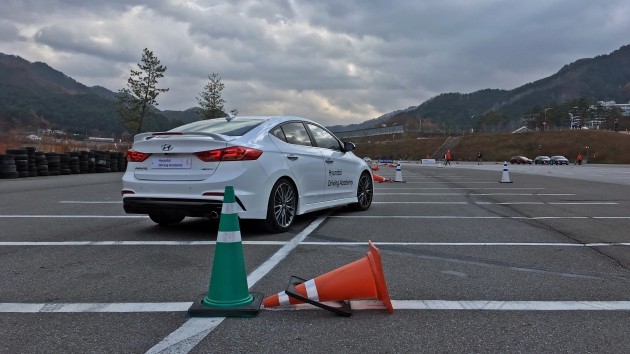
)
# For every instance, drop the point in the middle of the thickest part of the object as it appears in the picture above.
(348, 146)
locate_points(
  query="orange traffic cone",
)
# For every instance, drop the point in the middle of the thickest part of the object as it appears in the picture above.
(361, 279)
(375, 168)
(379, 178)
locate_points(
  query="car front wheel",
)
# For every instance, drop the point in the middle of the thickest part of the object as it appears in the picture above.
(365, 193)
(282, 206)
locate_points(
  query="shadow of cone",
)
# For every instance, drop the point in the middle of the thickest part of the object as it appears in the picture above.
(361, 279)
(228, 294)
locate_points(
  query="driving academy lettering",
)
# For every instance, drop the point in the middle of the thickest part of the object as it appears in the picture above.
(172, 163)
(338, 182)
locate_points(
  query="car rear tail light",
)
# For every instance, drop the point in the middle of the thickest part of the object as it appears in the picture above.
(136, 156)
(234, 153)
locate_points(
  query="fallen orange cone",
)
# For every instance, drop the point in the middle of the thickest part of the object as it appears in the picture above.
(380, 179)
(361, 279)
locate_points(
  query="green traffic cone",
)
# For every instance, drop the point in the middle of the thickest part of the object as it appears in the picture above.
(228, 294)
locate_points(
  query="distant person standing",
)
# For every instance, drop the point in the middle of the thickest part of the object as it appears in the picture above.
(447, 157)
(579, 158)
(479, 157)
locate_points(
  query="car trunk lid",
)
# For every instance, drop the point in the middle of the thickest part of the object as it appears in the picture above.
(173, 157)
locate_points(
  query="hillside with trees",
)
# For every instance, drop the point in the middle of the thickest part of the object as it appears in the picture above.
(570, 92)
(36, 96)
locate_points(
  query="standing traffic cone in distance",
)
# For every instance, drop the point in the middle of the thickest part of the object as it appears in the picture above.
(398, 177)
(228, 294)
(361, 279)
(505, 177)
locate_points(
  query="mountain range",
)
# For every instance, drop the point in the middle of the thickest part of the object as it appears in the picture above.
(602, 78)
(35, 95)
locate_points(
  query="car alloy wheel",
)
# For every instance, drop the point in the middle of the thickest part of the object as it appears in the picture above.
(282, 206)
(365, 193)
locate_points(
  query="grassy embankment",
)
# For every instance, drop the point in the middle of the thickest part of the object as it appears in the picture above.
(604, 146)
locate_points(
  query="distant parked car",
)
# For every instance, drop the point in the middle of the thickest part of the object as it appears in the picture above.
(542, 160)
(520, 160)
(559, 160)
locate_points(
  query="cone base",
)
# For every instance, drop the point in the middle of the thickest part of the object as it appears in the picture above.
(199, 309)
(374, 256)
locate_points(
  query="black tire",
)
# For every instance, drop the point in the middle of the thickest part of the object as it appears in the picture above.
(365, 193)
(166, 219)
(282, 206)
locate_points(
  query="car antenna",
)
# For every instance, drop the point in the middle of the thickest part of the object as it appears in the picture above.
(229, 117)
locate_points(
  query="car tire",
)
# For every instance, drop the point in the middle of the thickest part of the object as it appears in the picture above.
(282, 206)
(365, 193)
(166, 219)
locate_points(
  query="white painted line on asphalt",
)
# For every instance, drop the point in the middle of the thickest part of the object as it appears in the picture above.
(77, 216)
(474, 244)
(95, 307)
(510, 305)
(466, 188)
(89, 202)
(506, 203)
(186, 337)
(195, 329)
(472, 217)
(509, 203)
(282, 253)
(420, 203)
(304, 243)
(479, 305)
(380, 192)
(583, 203)
(442, 182)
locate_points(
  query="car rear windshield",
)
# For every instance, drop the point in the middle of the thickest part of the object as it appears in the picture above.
(235, 127)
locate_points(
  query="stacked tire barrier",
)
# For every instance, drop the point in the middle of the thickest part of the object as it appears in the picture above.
(27, 162)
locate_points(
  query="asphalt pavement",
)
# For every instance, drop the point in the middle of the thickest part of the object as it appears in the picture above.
(538, 265)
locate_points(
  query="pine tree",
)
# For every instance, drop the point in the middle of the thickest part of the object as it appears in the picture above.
(211, 101)
(138, 100)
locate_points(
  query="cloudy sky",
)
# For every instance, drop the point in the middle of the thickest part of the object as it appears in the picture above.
(338, 62)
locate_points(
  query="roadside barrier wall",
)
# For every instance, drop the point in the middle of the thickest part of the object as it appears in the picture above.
(27, 162)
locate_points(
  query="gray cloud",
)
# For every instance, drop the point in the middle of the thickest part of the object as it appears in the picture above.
(336, 62)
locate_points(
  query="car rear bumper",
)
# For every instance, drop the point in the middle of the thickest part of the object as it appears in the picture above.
(185, 207)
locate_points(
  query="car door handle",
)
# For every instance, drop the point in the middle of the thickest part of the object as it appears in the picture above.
(292, 157)
(330, 160)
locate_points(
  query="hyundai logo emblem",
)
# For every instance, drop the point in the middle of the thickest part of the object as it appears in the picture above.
(167, 147)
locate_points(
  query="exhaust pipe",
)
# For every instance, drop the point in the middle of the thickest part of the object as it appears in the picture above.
(214, 215)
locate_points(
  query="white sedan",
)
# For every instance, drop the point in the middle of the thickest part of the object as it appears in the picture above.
(279, 167)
